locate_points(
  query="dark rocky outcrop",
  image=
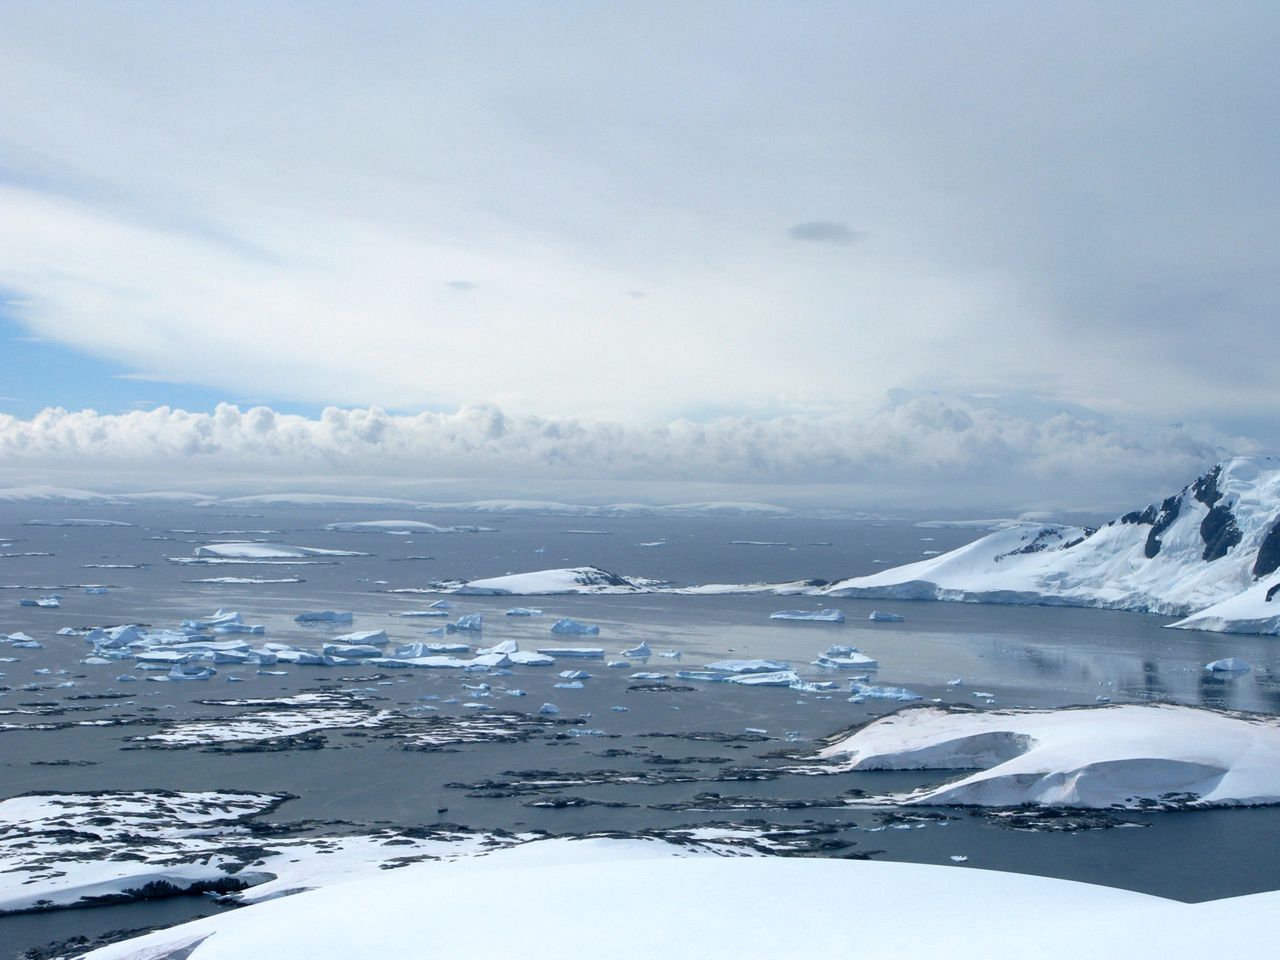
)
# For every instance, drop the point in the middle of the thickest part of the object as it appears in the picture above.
(1268, 560)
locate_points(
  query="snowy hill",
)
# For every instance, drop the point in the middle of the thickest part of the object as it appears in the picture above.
(1215, 544)
(568, 899)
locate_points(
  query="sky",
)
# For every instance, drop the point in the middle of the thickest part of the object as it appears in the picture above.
(999, 254)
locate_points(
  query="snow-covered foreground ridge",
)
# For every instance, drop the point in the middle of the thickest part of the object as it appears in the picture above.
(1209, 553)
(569, 900)
(1131, 756)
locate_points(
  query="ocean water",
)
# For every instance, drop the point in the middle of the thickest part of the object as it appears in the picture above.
(673, 758)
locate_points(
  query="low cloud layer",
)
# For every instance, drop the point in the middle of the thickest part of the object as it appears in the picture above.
(925, 452)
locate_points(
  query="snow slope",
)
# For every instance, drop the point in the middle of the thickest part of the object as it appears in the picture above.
(1214, 540)
(573, 900)
(565, 580)
(1132, 755)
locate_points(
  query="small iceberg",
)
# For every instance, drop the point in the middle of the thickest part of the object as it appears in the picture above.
(1228, 665)
(524, 612)
(324, 616)
(572, 627)
(882, 616)
(819, 616)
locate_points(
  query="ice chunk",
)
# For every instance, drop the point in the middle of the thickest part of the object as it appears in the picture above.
(648, 676)
(506, 646)
(866, 691)
(527, 658)
(848, 661)
(423, 613)
(883, 616)
(671, 654)
(441, 605)
(365, 637)
(1228, 665)
(574, 675)
(524, 612)
(822, 616)
(324, 616)
(580, 653)
(191, 672)
(572, 627)
(570, 685)
(780, 678)
(350, 650)
(640, 651)
(468, 622)
(95, 591)
(748, 666)
(549, 709)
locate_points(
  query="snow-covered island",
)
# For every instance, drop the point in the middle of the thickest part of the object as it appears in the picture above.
(1209, 554)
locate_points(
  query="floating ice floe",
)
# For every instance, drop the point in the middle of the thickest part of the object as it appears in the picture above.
(640, 651)
(883, 616)
(571, 627)
(325, 616)
(850, 659)
(779, 678)
(868, 691)
(267, 551)
(1228, 665)
(549, 709)
(402, 527)
(47, 603)
(372, 637)
(829, 615)
(748, 666)
(470, 621)
(1129, 755)
(579, 653)
(524, 612)
(422, 613)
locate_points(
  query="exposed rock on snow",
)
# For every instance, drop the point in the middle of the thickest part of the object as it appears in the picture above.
(1150, 755)
(565, 580)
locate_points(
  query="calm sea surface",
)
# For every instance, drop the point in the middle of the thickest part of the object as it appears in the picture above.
(1020, 656)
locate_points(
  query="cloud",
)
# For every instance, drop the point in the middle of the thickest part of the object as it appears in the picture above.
(825, 231)
(924, 452)
(1062, 200)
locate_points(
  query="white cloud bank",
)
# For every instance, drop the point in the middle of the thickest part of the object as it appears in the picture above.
(920, 452)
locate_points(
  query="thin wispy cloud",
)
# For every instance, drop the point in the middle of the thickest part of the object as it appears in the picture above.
(826, 231)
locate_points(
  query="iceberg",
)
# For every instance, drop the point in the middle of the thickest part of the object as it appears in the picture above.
(524, 612)
(324, 616)
(883, 616)
(267, 551)
(1228, 665)
(640, 651)
(579, 653)
(370, 637)
(748, 666)
(820, 616)
(572, 627)
(468, 622)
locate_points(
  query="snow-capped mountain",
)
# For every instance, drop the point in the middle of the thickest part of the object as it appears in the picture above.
(1210, 554)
